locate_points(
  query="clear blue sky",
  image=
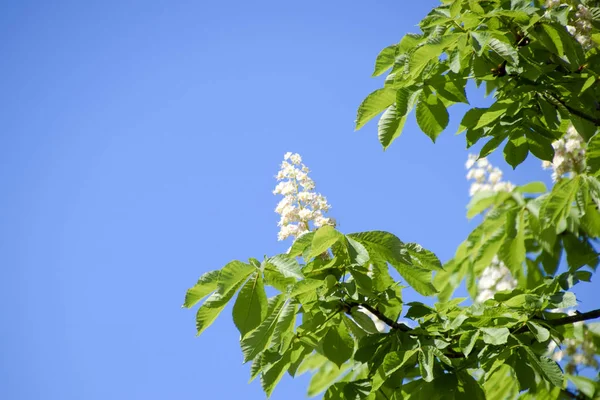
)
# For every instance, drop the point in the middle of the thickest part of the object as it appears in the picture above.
(138, 149)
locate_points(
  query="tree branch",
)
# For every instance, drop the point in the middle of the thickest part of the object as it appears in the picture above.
(574, 111)
(388, 321)
(573, 318)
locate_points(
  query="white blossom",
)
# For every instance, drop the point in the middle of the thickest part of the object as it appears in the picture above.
(495, 278)
(485, 176)
(300, 205)
(569, 155)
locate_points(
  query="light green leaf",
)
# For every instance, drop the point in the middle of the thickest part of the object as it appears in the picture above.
(495, 336)
(432, 116)
(250, 307)
(503, 49)
(557, 205)
(324, 377)
(305, 286)
(584, 385)
(325, 237)
(206, 284)
(382, 246)
(287, 265)
(541, 334)
(364, 321)
(273, 375)
(258, 340)
(467, 341)
(374, 104)
(232, 274)
(385, 60)
(426, 361)
(301, 244)
(418, 278)
(423, 258)
(492, 113)
(285, 322)
(212, 307)
(592, 155)
(391, 363)
(390, 126)
(532, 187)
(338, 346)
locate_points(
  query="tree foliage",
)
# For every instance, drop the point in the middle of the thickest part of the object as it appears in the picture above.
(335, 290)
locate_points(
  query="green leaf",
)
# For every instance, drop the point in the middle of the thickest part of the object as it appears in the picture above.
(423, 258)
(271, 378)
(467, 341)
(206, 284)
(364, 321)
(495, 336)
(250, 307)
(285, 322)
(546, 367)
(532, 187)
(592, 156)
(432, 116)
(324, 377)
(232, 274)
(470, 119)
(212, 307)
(541, 334)
(426, 362)
(418, 278)
(492, 113)
(584, 385)
(338, 346)
(385, 60)
(390, 126)
(357, 390)
(516, 150)
(451, 87)
(391, 363)
(258, 340)
(374, 104)
(286, 265)
(557, 205)
(301, 244)
(382, 246)
(512, 252)
(503, 49)
(305, 286)
(325, 237)
(540, 146)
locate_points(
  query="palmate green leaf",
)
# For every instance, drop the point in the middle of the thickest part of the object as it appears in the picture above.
(206, 284)
(426, 361)
(470, 119)
(390, 126)
(495, 336)
(584, 385)
(450, 86)
(232, 274)
(382, 246)
(512, 252)
(306, 286)
(492, 113)
(467, 341)
(540, 146)
(516, 150)
(385, 60)
(592, 155)
(374, 104)
(324, 377)
(250, 307)
(273, 375)
(423, 258)
(391, 363)
(557, 205)
(364, 321)
(545, 367)
(541, 334)
(501, 385)
(418, 278)
(357, 252)
(357, 390)
(286, 265)
(338, 345)
(212, 307)
(258, 340)
(504, 49)
(325, 237)
(481, 201)
(301, 244)
(532, 187)
(432, 116)
(285, 322)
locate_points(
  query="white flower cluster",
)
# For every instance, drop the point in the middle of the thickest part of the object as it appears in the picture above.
(577, 352)
(581, 26)
(495, 278)
(486, 177)
(300, 204)
(569, 155)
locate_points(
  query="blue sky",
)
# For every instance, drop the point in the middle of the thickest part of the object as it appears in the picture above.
(140, 145)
